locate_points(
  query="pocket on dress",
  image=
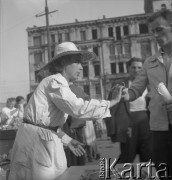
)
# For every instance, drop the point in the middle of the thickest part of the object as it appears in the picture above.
(21, 158)
(44, 152)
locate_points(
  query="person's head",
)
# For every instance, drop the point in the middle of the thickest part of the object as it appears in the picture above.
(134, 66)
(11, 103)
(160, 25)
(20, 100)
(67, 61)
(68, 65)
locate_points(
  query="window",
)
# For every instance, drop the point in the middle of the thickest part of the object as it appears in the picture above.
(126, 30)
(60, 39)
(110, 31)
(145, 49)
(52, 53)
(97, 69)
(83, 35)
(97, 89)
(163, 7)
(127, 50)
(37, 40)
(94, 34)
(118, 33)
(119, 49)
(38, 58)
(112, 50)
(53, 40)
(86, 89)
(143, 28)
(121, 67)
(96, 50)
(67, 37)
(113, 68)
(85, 71)
(84, 48)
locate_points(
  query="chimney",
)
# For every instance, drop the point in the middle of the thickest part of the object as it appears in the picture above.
(148, 6)
(104, 17)
(76, 20)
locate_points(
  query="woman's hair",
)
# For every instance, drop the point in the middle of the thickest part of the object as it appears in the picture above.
(19, 98)
(60, 63)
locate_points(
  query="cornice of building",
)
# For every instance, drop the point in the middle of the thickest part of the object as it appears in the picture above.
(96, 22)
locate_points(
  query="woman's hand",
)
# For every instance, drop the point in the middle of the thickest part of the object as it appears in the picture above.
(125, 94)
(116, 94)
(76, 147)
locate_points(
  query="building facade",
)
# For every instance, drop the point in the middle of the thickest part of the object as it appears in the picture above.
(114, 40)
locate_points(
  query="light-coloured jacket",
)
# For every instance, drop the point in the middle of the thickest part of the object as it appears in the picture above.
(38, 153)
(152, 74)
(53, 101)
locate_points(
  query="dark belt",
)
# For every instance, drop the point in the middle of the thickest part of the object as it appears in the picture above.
(40, 125)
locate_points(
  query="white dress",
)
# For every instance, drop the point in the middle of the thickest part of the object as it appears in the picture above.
(38, 153)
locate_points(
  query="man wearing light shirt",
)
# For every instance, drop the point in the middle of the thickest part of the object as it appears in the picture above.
(139, 136)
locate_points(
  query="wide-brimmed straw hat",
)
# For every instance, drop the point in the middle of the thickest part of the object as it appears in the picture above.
(64, 49)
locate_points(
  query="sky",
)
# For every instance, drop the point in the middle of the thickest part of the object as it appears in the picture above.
(17, 15)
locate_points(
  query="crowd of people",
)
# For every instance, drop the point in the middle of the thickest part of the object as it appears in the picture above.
(59, 117)
(11, 116)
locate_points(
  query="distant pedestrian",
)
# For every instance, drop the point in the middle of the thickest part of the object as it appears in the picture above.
(9, 112)
(20, 104)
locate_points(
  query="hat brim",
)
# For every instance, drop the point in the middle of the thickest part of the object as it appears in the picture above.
(86, 56)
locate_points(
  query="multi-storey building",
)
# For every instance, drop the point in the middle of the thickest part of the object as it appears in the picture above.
(114, 40)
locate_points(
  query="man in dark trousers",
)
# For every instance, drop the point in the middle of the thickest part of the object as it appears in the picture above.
(139, 135)
(157, 70)
(131, 126)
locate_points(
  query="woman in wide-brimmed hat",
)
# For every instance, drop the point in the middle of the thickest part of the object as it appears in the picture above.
(38, 152)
